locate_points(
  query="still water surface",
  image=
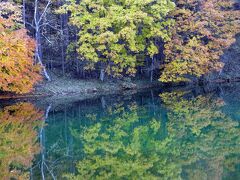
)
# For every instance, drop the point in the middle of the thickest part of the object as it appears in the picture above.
(179, 134)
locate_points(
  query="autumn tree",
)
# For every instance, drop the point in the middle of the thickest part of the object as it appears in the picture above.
(116, 34)
(202, 31)
(17, 70)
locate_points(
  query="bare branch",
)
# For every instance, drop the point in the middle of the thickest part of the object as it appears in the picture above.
(45, 10)
(30, 24)
(46, 38)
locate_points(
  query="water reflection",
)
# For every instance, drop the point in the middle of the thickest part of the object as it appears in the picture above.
(207, 139)
(18, 136)
(170, 136)
(152, 135)
(124, 143)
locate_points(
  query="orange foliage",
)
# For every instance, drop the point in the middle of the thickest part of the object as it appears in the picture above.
(9, 9)
(18, 137)
(203, 30)
(17, 71)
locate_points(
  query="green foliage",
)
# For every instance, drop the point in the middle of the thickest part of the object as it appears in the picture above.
(122, 146)
(128, 143)
(115, 32)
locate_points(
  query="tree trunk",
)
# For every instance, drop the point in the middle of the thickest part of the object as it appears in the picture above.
(38, 51)
(24, 12)
(152, 70)
(103, 102)
(102, 74)
(62, 43)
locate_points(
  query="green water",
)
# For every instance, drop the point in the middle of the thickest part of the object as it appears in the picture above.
(179, 134)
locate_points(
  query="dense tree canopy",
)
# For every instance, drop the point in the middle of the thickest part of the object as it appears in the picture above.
(202, 31)
(17, 70)
(176, 40)
(119, 33)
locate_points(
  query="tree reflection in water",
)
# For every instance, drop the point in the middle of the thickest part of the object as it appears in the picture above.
(127, 142)
(18, 139)
(172, 136)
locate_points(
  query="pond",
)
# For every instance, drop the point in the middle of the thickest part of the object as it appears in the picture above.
(174, 134)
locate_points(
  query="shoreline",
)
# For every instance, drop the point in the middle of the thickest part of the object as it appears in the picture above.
(43, 98)
(63, 87)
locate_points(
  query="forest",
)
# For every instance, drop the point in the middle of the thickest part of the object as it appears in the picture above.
(120, 89)
(170, 41)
